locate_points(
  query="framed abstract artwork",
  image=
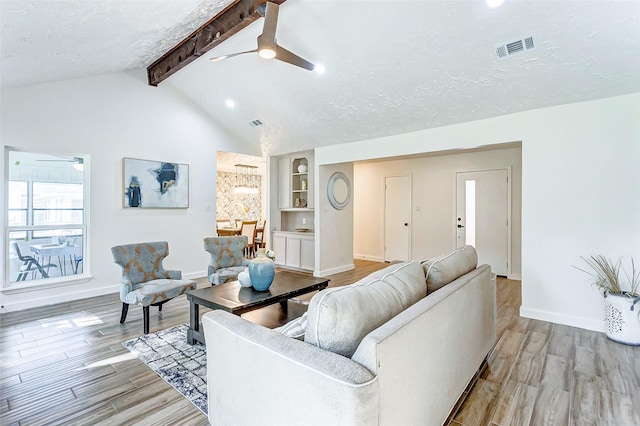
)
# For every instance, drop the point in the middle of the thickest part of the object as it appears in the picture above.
(155, 184)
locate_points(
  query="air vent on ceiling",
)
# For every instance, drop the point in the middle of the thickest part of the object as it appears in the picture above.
(504, 50)
(255, 123)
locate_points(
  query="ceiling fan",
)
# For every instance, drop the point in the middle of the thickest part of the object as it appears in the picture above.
(267, 46)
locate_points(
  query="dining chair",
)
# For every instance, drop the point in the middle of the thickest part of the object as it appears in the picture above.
(32, 265)
(259, 241)
(76, 263)
(248, 229)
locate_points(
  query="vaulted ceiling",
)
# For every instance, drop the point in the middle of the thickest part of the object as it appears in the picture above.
(391, 66)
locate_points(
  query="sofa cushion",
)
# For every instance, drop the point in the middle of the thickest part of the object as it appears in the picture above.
(339, 318)
(444, 269)
(294, 328)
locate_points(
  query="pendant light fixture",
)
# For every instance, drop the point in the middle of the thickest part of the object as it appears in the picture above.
(246, 179)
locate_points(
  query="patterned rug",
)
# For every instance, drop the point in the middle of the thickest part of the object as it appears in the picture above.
(180, 364)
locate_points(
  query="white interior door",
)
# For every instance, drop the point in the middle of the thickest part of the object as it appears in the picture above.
(397, 218)
(482, 219)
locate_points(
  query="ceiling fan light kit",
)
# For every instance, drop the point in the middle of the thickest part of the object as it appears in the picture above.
(267, 53)
(268, 48)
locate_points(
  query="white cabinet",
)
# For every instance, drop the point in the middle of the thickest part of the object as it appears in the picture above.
(307, 251)
(294, 250)
(280, 247)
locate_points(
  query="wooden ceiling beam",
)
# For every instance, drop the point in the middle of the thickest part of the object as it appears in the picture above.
(232, 19)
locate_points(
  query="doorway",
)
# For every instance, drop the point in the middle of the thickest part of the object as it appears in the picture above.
(397, 218)
(483, 211)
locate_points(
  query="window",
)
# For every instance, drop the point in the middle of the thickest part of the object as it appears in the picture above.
(17, 206)
(56, 204)
(45, 217)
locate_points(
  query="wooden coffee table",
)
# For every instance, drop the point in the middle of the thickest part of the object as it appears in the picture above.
(234, 298)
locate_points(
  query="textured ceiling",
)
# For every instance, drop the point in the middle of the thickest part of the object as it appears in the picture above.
(392, 66)
(48, 40)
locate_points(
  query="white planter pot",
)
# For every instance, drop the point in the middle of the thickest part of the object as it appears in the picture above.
(622, 324)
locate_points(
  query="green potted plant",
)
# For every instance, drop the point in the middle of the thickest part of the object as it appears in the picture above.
(622, 310)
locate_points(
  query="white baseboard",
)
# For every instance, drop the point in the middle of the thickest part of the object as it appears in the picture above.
(9, 306)
(580, 322)
(367, 257)
(335, 270)
(515, 277)
(195, 275)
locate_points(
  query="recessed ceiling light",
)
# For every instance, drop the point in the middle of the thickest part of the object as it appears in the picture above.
(230, 103)
(494, 3)
(319, 68)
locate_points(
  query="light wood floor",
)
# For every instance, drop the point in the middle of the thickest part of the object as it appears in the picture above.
(65, 364)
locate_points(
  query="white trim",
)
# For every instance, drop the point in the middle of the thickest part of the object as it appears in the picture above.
(586, 323)
(36, 285)
(64, 297)
(367, 257)
(336, 270)
(194, 275)
(515, 277)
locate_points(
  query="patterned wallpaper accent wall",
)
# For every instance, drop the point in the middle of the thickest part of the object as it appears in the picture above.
(230, 205)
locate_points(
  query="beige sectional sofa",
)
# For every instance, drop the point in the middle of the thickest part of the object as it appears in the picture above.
(380, 351)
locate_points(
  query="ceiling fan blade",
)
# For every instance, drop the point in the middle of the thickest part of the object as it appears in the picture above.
(270, 23)
(284, 55)
(231, 55)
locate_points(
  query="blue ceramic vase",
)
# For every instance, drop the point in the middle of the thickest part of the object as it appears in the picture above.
(261, 270)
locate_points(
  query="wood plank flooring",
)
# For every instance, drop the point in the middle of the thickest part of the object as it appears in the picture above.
(65, 364)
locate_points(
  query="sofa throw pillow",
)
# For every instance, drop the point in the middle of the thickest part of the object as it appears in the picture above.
(339, 318)
(444, 269)
(294, 328)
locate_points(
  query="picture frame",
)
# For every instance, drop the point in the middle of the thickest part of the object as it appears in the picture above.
(154, 184)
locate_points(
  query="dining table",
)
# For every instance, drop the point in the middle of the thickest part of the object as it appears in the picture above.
(231, 231)
(60, 251)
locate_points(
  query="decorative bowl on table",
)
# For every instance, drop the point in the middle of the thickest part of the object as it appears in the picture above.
(244, 278)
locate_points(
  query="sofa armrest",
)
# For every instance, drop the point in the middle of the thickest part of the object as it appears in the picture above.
(285, 381)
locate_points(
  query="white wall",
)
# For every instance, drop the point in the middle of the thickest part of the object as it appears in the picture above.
(107, 118)
(580, 192)
(433, 199)
(334, 228)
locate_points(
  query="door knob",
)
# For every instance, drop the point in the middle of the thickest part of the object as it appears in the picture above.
(460, 226)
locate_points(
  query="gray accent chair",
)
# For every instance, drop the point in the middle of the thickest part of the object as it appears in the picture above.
(144, 280)
(227, 258)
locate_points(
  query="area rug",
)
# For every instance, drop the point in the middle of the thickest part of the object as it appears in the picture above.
(180, 364)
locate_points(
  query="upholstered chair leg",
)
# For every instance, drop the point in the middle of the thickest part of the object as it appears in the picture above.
(125, 309)
(145, 313)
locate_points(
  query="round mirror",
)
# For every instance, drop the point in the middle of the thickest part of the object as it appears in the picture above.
(339, 190)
